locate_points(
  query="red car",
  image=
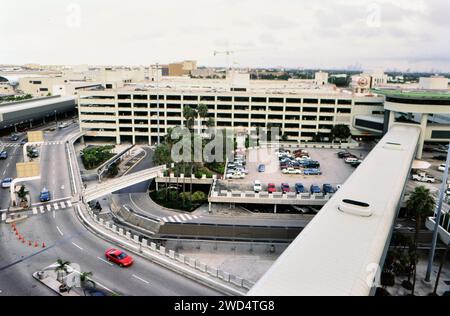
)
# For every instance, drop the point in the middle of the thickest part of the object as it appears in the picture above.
(285, 188)
(271, 188)
(119, 257)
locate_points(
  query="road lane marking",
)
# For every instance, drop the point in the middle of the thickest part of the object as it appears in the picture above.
(55, 205)
(35, 210)
(59, 230)
(171, 219)
(41, 208)
(176, 218)
(62, 205)
(182, 218)
(49, 207)
(77, 246)
(54, 214)
(165, 220)
(69, 203)
(3, 217)
(105, 261)
(140, 279)
(188, 216)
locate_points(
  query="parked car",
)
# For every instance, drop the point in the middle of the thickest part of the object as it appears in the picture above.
(6, 183)
(342, 154)
(271, 188)
(3, 155)
(441, 167)
(119, 257)
(285, 188)
(310, 164)
(299, 188)
(45, 195)
(235, 175)
(312, 172)
(14, 138)
(63, 125)
(257, 187)
(328, 189)
(261, 168)
(351, 160)
(291, 171)
(241, 170)
(440, 157)
(356, 163)
(423, 177)
(315, 189)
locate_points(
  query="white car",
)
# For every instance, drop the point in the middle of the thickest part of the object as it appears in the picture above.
(236, 175)
(442, 167)
(257, 186)
(303, 158)
(422, 177)
(291, 171)
(351, 160)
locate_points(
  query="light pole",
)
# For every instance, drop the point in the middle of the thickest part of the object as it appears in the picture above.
(157, 100)
(56, 119)
(438, 217)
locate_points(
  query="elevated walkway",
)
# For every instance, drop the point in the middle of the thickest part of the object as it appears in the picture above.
(341, 250)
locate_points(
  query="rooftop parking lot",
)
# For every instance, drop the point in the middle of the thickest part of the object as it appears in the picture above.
(334, 170)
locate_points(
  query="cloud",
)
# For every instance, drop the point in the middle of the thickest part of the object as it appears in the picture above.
(326, 33)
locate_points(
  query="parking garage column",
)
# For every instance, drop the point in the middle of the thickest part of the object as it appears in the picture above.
(423, 127)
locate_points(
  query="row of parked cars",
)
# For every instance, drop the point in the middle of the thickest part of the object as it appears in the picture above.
(349, 158)
(236, 169)
(298, 188)
(298, 162)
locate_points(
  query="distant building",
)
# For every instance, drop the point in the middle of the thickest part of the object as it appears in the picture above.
(183, 68)
(433, 83)
(321, 78)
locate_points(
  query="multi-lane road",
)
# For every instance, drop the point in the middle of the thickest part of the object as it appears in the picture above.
(65, 237)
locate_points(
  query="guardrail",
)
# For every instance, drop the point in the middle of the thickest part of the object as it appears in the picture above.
(444, 226)
(250, 197)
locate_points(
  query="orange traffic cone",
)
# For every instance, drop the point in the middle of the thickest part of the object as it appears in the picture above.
(35, 244)
(23, 240)
(43, 244)
(29, 242)
(17, 233)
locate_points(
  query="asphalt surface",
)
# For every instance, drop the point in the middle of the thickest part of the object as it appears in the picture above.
(66, 238)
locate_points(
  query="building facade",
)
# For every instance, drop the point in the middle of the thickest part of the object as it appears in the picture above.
(130, 114)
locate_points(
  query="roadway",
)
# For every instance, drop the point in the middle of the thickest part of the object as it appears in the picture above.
(66, 238)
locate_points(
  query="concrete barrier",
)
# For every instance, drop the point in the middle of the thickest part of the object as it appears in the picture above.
(153, 246)
(171, 254)
(162, 250)
(128, 235)
(144, 242)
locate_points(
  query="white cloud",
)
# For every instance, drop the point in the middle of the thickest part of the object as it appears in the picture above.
(326, 33)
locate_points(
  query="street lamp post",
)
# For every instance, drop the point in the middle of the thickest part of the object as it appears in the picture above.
(56, 119)
(438, 217)
(157, 101)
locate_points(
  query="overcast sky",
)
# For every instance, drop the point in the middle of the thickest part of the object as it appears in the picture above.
(387, 34)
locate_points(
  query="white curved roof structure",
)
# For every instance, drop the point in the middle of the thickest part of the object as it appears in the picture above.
(337, 253)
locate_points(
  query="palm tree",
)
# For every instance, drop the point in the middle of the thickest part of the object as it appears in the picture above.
(189, 115)
(202, 113)
(85, 277)
(22, 193)
(419, 205)
(61, 268)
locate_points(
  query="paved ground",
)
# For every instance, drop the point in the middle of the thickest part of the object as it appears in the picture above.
(249, 261)
(422, 288)
(334, 170)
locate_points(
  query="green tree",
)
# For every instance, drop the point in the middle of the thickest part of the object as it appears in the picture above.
(284, 137)
(340, 131)
(210, 122)
(419, 206)
(61, 268)
(85, 278)
(189, 115)
(162, 155)
(199, 197)
(22, 193)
